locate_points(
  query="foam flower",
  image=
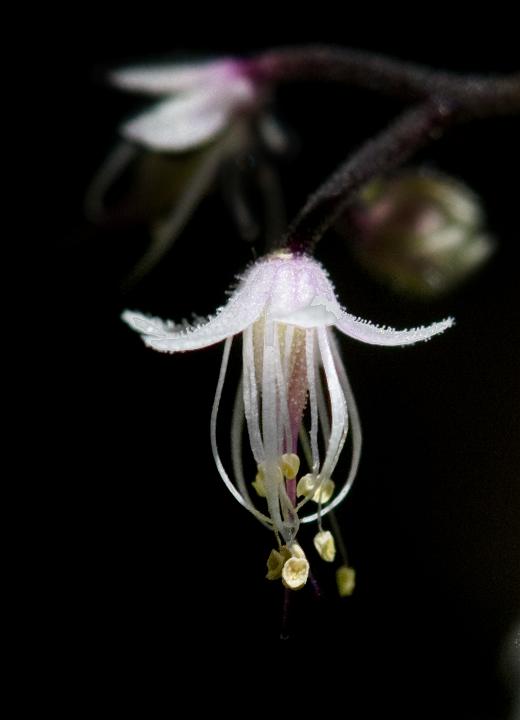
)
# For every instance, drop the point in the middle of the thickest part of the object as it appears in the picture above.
(200, 101)
(294, 394)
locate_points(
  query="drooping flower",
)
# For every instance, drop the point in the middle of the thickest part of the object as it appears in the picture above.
(294, 394)
(201, 100)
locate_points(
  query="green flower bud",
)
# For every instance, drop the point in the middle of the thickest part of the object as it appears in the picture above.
(420, 233)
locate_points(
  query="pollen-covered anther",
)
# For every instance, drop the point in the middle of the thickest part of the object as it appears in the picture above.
(276, 561)
(295, 571)
(259, 481)
(325, 545)
(289, 465)
(345, 580)
(319, 489)
(324, 492)
(258, 484)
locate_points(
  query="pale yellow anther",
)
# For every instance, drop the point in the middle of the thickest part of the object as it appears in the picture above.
(324, 492)
(320, 490)
(307, 485)
(258, 484)
(325, 545)
(295, 573)
(346, 580)
(295, 550)
(276, 561)
(290, 464)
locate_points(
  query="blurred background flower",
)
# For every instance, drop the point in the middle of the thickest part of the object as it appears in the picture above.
(419, 232)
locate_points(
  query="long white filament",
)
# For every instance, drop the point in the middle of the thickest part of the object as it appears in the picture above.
(214, 446)
(270, 428)
(237, 429)
(341, 397)
(311, 383)
(339, 417)
(251, 396)
(323, 410)
(281, 385)
(355, 423)
(332, 357)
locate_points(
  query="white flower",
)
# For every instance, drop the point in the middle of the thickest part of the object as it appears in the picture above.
(294, 392)
(201, 100)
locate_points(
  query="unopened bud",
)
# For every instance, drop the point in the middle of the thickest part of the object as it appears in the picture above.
(420, 232)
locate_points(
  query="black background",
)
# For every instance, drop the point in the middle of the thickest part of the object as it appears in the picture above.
(147, 545)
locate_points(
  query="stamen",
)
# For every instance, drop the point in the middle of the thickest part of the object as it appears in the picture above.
(276, 561)
(324, 544)
(251, 396)
(290, 464)
(258, 484)
(345, 580)
(320, 489)
(339, 425)
(295, 573)
(281, 385)
(311, 376)
(214, 445)
(237, 429)
(270, 428)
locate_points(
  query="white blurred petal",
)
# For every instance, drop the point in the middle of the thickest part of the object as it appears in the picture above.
(169, 78)
(180, 124)
(375, 335)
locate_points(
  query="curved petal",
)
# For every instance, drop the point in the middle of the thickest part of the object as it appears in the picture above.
(179, 124)
(169, 78)
(244, 307)
(375, 335)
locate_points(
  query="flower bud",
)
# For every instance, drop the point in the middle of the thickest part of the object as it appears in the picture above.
(419, 232)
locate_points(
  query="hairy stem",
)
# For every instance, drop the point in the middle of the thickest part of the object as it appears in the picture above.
(479, 94)
(412, 130)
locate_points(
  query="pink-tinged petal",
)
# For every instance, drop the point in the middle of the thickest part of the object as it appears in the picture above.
(302, 293)
(171, 78)
(244, 307)
(375, 335)
(180, 124)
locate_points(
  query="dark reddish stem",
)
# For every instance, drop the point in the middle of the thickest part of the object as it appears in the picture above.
(412, 130)
(482, 94)
(444, 98)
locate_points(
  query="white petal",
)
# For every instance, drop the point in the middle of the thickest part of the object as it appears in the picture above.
(180, 124)
(170, 78)
(302, 293)
(146, 325)
(374, 335)
(244, 307)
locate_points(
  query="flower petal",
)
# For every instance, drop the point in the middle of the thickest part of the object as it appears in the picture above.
(244, 307)
(375, 335)
(180, 124)
(170, 78)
